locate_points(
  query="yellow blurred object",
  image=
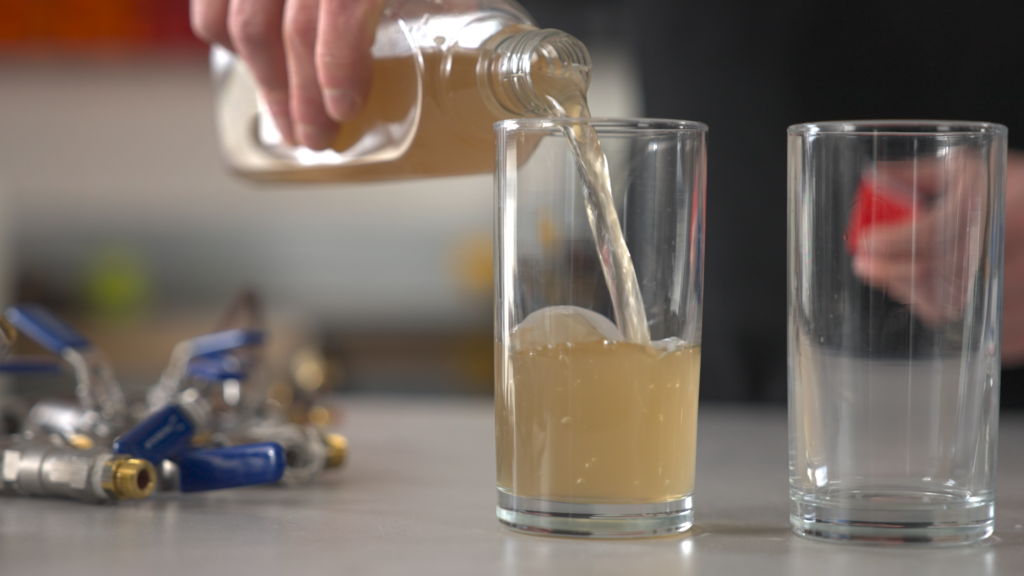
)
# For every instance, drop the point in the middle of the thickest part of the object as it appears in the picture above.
(473, 260)
(547, 231)
(308, 369)
(81, 441)
(319, 416)
(337, 449)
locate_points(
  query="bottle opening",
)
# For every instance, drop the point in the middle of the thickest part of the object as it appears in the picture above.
(535, 73)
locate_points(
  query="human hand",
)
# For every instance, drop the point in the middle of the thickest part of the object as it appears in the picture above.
(918, 233)
(311, 58)
(946, 232)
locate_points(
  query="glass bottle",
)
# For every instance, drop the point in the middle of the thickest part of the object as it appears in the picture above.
(444, 72)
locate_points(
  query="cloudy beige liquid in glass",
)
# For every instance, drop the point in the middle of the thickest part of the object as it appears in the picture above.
(599, 422)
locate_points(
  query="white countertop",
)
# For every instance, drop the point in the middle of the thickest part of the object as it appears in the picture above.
(417, 497)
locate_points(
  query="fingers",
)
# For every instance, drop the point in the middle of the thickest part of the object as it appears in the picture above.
(313, 126)
(1013, 313)
(926, 176)
(311, 58)
(940, 231)
(916, 236)
(210, 21)
(343, 60)
(256, 32)
(934, 293)
(1014, 226)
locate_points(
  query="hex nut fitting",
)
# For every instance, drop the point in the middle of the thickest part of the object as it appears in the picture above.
(129, 478)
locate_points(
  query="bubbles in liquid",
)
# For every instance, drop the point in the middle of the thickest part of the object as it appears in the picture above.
(578, 393)
(562, 324)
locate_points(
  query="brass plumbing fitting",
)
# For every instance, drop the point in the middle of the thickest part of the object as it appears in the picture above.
(129, 478)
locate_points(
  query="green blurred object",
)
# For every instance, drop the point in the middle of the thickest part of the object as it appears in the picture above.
(119, 283)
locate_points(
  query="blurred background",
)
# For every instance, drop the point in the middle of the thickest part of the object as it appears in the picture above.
(116, 211)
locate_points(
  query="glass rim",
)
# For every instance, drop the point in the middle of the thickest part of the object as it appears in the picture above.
(897, 128)
(513, 124)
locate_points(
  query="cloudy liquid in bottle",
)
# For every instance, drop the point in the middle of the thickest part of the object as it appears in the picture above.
(442, 144)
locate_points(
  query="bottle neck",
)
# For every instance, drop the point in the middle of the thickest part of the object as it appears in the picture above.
(530, 72)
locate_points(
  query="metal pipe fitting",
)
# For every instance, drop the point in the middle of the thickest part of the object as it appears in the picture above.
(41, 469)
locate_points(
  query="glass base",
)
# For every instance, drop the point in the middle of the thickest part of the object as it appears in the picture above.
(594, 520)
(892, 517)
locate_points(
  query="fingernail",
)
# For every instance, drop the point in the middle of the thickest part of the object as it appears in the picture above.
(313, 137)
(341, 104)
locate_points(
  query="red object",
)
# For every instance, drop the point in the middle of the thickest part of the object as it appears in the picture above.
(875, 203)
(85, 27)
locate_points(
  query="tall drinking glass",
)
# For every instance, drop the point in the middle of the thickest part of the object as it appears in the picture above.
(596, 422)
(895, 295)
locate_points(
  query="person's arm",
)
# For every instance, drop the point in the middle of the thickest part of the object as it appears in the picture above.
(311, 58)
